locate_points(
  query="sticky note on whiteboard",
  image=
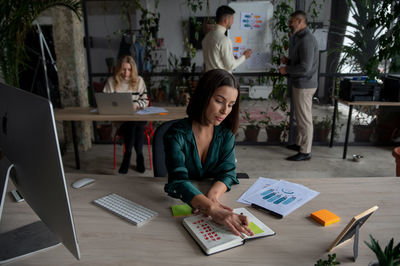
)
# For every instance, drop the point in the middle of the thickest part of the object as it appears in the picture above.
(238, 39)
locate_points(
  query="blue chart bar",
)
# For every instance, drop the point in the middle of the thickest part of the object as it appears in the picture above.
(289, 200)
(274, 198)
(279, 200)
(267, 192)
(269, 195)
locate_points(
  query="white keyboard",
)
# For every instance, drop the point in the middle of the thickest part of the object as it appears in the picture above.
(133, 212)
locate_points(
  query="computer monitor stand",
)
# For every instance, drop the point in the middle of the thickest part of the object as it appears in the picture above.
(26, 240)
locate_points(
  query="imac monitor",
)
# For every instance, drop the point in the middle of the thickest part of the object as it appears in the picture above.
(30, 157)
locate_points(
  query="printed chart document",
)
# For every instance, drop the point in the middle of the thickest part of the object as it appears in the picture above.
(213, 238)
(262, 182)
(282, 197)
(151, 110)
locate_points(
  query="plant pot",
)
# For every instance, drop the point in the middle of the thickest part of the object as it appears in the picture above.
(274, 133)
(321, 134)
(251, 133)
(362, 133)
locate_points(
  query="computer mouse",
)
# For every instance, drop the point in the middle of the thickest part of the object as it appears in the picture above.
(82, 182)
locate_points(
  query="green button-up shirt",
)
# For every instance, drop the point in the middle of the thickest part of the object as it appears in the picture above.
(184, 164)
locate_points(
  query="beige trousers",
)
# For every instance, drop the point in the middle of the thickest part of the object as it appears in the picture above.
(302, 103)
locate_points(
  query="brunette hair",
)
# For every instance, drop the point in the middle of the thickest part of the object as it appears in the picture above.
(208, 83)
(223, 12)
(118, 72)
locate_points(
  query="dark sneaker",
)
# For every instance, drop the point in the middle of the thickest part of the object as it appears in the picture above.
(125, 163)
(299, 157)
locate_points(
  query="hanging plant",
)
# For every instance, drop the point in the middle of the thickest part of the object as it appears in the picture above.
(16, 20)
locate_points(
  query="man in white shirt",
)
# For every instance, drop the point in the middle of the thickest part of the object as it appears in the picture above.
(217, 48)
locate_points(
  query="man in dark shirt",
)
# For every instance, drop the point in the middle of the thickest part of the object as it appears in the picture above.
(302, 68)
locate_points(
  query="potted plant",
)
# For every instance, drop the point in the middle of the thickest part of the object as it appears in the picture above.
(322, 128)
(16, 22)
(390, 256)
(274, 130)
(189, 49)
(274, 133)
(252, 127)
(331, 261)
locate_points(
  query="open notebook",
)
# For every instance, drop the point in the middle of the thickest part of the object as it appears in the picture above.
(213, 238)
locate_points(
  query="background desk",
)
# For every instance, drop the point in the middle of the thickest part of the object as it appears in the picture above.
(351, 104)
(86, 114)
(108, 240)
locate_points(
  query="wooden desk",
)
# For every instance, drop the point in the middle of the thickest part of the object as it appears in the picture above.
(351, 104)
(105, 239)
(89, 114)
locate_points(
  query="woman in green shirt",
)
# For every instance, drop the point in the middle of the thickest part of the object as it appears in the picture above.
(202, 146)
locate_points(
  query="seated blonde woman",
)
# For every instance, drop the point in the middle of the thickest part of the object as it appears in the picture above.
(126, 79)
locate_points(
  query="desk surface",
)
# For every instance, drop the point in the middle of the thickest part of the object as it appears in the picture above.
(369, 103)
(108, 240)
(87, 114)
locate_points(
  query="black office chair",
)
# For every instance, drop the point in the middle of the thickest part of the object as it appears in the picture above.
(159, 167)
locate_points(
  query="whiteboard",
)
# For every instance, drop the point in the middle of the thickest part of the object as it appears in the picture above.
(252, 29)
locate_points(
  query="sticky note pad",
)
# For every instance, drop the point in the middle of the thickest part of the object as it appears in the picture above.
(181, 210)
(325, 217)
(256, 230)
(162, 113)
(238, 39)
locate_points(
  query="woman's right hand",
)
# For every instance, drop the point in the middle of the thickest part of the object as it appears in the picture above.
(237, 223)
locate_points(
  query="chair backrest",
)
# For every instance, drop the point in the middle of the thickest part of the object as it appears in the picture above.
(159, 167)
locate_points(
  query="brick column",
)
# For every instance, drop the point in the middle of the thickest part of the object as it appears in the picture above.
(68, 34)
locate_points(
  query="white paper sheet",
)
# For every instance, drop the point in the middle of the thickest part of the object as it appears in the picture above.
(283, 197)
(151, 110)
(262, 182)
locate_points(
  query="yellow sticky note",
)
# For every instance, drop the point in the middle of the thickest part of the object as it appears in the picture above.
(238, 39)
(181, 210)
(256, 230)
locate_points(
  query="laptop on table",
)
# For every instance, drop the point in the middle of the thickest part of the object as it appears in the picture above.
(114, 103)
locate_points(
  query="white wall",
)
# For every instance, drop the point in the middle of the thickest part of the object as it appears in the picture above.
(105, 18)
(172, 14)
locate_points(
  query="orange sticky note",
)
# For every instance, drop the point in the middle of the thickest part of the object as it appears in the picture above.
(238, 39)
(325, 217)
(163, 113)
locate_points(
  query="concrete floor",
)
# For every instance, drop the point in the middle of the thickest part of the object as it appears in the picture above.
(266, 161)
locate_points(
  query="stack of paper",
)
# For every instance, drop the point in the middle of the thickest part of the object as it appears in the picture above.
(279, 197)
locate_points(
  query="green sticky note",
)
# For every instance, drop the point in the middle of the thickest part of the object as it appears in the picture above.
(256, 230)
(181, 210)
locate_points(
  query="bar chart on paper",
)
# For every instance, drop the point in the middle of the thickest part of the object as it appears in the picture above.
(282, 197)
